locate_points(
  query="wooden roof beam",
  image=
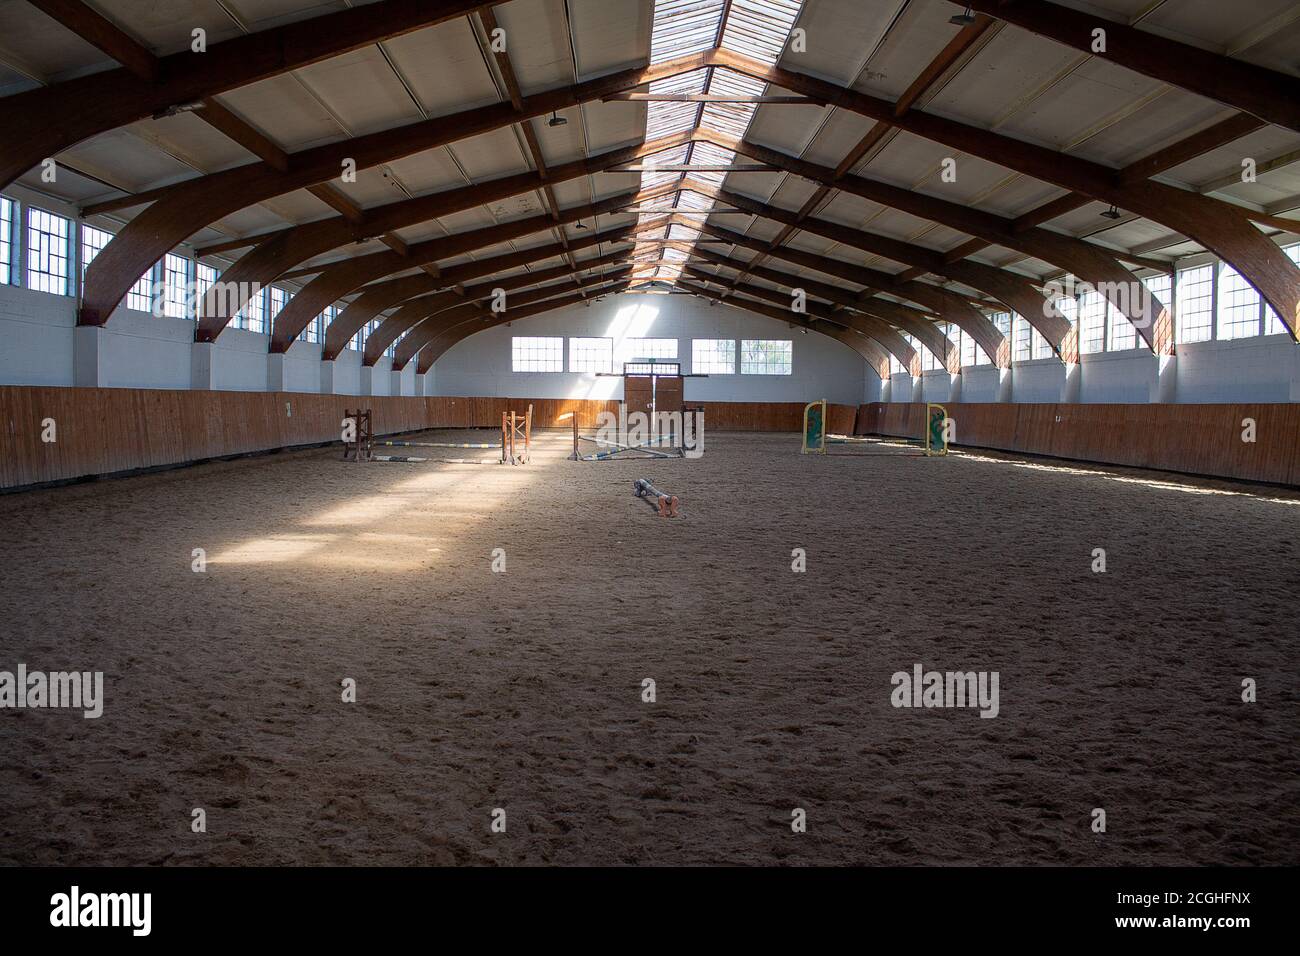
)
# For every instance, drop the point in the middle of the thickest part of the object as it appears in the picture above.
(104, 34)
(206, 199)
(44, 122)
(1273, 97)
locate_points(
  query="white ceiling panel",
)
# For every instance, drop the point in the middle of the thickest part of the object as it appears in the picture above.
(517, 207)
(129, 160)
(1168, 119)
(193, 137)
(490, 155)
(610, 34)
(362, 90)
(1269, 143)
(445, 67)
(841, 34)
(427, 172)
(168, 27)
(608, 125)
(537, 42)
(837, 137)
(916, 38)
(286, 111)
(1094, 92)
(40, 46)
(249, 221)
(300, 206)
(1019, 196)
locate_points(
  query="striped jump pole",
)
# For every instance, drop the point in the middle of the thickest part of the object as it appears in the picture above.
(445, 461)
(437, 444)
(667, 504)
(618, 448)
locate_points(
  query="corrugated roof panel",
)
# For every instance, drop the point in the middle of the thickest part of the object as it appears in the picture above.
(683, 27)
(759, 28)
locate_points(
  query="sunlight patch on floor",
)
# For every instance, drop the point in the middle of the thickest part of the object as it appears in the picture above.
(1184, 487)
(382, 530)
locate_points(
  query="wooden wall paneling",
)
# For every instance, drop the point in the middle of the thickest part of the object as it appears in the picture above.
(105, 431)
(840, 419)
(1193, 439)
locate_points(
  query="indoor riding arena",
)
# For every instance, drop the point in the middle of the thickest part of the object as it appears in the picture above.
(846, 433)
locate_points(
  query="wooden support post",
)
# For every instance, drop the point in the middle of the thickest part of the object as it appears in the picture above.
(361, 447)
(528, 435)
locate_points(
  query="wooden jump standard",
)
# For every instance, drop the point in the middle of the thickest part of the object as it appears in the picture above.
(517, 434)
(515, 445)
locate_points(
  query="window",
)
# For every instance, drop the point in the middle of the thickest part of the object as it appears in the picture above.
(953, 333)
(1042, 348)
(1069, 308)
(277, 299)
(591, 355)
(363, 335)
(650, 348)
(205, 277)
(6, 240)
(537, 353)
(895, 366)
(1002, 322)
(766, 356)
(93, 242)
(1092, 322)
(176, 286)
(1162, 287)
(1021, 346)
(317, 326)
(652, 368)
(47, 251)
(928, 360)
(713, 356)
(1239, 313)
(140, 298)
(1272, 324)
(1196, 304)
(253, 315)
(1122, 334)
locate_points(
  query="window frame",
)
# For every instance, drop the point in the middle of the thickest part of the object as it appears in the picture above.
(554, 349)
(577, 350)
(69, 240)
(749, 346)
(710, 358)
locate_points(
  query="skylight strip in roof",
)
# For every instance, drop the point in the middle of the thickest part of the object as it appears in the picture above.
(759, 28)
(682, 27)
(754, 28)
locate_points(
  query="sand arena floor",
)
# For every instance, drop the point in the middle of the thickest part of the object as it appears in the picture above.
(522, 690)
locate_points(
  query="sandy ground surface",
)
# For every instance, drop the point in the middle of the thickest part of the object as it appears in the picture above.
(523, 690)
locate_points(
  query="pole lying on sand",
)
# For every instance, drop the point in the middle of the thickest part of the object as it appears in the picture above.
(445, 461)
(667, 504)
(437, 444)
(619, 448)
